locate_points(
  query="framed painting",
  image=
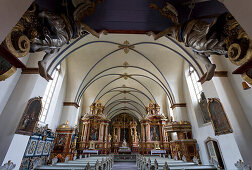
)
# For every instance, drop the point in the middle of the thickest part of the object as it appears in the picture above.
(154, 133)
(47, 148)
(30, 150)
(40, 148)
(30, 117)
(218, 117)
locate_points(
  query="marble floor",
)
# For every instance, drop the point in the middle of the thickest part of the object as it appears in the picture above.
(124, 166)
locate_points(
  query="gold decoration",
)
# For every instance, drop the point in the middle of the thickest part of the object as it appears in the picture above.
(126, 46)
(245, 86)
(124, 91)
(125, 64)
(96, 108)
(8, 73)
(64, 125)
(125, 76)
(153, 109)
(247, 78)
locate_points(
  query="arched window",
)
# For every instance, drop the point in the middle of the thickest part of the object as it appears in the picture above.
(196, 85)
(50, 88)
(199, 95)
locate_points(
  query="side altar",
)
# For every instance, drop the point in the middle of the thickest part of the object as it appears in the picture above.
(93, 134)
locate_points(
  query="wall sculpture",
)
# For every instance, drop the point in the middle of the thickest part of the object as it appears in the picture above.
(223, 36)
(48, 31)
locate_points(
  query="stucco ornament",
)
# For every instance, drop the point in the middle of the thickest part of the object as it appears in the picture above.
(43, 30)
(223, 36)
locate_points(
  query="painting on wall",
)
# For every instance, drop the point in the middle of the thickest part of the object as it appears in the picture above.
(31, 147)
(29, 120)
(203, 107)
(47, 148)
(154, 133)
(40, 148)
(94, 133)
(218, 117)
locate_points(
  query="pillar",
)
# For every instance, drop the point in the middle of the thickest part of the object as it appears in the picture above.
(70, 114)
(180, 113)
(148, 132)
(101, 132)
(106, 133)
(143, 132)
(242, 130)
(28, 86)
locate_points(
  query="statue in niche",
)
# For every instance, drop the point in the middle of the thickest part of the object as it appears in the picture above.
(223, 36)
(43, 30)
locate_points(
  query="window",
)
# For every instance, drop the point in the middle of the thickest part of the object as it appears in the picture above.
(199, 95)
(196, 85)
(50, 88)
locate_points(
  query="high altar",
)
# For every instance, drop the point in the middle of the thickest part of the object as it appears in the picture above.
(94, 131)
(125, 134)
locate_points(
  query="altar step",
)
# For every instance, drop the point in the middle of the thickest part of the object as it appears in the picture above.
(125, 166)
(125, 158)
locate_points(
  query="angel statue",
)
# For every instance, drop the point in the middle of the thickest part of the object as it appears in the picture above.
(219, 37)
(43, 30)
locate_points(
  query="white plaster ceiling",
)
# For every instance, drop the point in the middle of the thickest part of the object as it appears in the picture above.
(94, 67)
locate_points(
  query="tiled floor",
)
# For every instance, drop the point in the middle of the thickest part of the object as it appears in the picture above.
(124, 166)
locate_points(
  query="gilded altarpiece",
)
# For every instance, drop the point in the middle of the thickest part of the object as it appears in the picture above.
(64, 143)
(124, 127)
(152, 130)
(93, 133)
(179, 135)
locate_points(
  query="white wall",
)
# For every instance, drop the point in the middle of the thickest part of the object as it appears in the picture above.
(17, 148)
(228, 146)
(244, 96)
(9, 84)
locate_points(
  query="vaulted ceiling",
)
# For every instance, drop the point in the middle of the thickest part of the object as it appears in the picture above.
(128, 71)
(125, 72)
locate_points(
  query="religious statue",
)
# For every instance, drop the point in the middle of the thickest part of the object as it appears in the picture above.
(223, 36)
(124, 144)
(43, 30)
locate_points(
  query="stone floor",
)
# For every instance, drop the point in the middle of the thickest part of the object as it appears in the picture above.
(124, 166)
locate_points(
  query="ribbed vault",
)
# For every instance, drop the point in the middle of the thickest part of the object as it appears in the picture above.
(125, 72)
